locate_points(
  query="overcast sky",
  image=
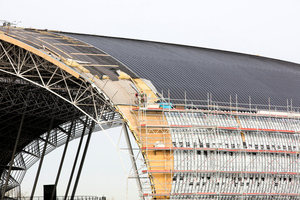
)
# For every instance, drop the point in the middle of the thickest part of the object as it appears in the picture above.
(268, 28)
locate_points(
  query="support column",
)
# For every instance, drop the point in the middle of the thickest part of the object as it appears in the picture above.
(62, 159)
(83, 159)
(75, 161)
(41, 161)
(13, 156)
(132, 158)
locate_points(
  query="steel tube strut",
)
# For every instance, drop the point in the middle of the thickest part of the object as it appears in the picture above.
(82, 159)
(132, 158)
(75, 161)
(62, 159)
(13, 155)
(41, 161)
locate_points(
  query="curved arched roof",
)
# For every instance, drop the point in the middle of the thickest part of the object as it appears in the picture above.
(47, 98)
(61, 80)
(200, 71)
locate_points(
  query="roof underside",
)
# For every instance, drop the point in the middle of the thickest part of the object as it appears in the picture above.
(42, 104)
(200, 71)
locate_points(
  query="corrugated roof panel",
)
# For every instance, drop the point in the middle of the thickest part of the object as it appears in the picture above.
(199, 71)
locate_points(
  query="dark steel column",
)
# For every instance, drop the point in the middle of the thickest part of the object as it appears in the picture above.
(41, 161)
(132, 158)
(13, 155)
(75, 161)
(82, 159)
(62, 159)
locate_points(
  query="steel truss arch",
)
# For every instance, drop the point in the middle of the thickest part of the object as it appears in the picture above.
(41, 90)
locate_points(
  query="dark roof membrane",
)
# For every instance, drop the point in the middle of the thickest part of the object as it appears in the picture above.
(200, 71)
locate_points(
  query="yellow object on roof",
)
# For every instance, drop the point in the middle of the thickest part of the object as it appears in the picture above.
(123, 75)
(144, 87)
(73, 63)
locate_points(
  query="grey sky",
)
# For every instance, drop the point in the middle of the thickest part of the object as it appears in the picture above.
(261, 27)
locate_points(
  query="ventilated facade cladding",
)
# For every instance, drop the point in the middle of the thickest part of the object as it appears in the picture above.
(223, 154)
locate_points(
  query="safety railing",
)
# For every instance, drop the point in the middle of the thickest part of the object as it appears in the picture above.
(63, 198)
(216, 148)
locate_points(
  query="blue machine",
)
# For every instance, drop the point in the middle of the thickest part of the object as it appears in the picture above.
(165, 105)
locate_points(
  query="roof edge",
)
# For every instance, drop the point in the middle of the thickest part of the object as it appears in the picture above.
(176, 44)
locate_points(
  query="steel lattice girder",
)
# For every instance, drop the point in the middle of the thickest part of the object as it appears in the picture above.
(41, 91)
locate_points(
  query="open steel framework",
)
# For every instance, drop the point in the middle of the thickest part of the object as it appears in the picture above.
(41, 104)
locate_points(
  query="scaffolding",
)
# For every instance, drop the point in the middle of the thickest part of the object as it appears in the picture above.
(202, 150)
